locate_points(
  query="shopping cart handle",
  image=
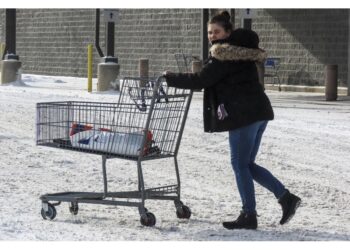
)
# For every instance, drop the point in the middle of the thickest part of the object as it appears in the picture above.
(161, 93)
(143, 106)
(164, 95)
(142, 93)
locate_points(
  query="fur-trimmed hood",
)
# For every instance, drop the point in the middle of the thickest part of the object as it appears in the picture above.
(227, 52)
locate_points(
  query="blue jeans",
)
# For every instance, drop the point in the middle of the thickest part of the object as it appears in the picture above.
(244, 146)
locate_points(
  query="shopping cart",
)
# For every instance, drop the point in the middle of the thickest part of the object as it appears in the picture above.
(146, 123)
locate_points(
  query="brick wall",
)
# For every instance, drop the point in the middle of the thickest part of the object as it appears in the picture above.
(54, 41)
(306, 41)
(156, 34)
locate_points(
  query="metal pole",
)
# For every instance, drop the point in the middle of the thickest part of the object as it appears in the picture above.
(204, 36)
(97, 33)
(11, 31)
(110, 39)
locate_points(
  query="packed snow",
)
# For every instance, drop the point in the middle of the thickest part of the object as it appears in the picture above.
(306, 146)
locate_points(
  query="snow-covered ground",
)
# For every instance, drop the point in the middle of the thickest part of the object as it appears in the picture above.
(307, 146)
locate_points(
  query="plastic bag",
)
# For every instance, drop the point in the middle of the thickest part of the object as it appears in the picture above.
(105, 140)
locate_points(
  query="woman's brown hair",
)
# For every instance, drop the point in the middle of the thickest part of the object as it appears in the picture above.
(223, 19)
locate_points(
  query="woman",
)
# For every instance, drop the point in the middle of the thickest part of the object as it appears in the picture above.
(234, 101)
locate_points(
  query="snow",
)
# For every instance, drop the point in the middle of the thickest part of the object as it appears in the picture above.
(307, 147)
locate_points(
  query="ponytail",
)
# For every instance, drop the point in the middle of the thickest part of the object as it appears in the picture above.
(223, 19)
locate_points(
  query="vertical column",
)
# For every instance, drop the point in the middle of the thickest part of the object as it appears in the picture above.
(10, 67)
(204, 34)
(331, 82)
(10, 39)
(247, 23)
(349, 52)
(108, 69)
(110, 39)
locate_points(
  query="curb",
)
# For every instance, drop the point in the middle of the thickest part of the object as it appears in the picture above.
(297, 88)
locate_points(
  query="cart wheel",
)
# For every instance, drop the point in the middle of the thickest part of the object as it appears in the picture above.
(50, 213)
(183, 212)
(74, 208)
(148, 219)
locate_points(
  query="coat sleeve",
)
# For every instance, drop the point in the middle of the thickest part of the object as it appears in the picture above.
(211, 73)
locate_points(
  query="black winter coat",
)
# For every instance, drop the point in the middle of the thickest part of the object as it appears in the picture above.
(229, 77)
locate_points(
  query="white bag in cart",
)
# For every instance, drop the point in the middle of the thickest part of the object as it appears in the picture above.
(128, 144)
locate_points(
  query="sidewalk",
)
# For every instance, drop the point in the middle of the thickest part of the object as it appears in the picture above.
(309, 102)
(307, 98)
(298, 88)
(297, 98)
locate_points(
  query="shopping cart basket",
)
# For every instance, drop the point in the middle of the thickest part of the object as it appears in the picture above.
(145, 124)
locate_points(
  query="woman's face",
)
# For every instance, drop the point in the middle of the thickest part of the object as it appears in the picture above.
(216, 32)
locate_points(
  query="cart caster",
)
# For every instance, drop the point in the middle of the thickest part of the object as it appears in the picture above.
(74, 208)
(183, 212)
(49, 212)
(148, 219)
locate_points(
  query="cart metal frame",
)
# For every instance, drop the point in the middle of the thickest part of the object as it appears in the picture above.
(144, 105)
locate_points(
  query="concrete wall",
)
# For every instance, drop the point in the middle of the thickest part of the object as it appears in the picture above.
(54, 41)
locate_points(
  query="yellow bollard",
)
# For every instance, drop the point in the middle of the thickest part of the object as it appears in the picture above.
(2, 49)
(90, 46)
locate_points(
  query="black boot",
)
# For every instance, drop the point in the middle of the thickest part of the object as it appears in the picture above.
(289, 203)
(244, 221)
